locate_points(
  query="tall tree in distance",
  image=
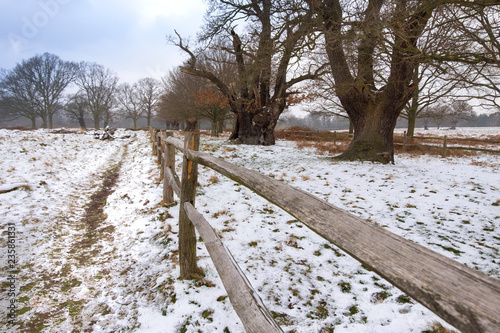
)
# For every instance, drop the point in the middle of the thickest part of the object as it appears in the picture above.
(17, 95)
(77, 108)
(129, 98)
(37, 85)
(214, 106)
(98, 86)
(149, 90)
(176, 103)
(267, 42)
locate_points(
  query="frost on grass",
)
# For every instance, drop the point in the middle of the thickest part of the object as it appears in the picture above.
(125, 276)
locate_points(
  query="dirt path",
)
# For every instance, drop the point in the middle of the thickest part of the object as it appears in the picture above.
(62, 278)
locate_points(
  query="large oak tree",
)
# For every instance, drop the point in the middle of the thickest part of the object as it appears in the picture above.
(267, 39)
(372, 47)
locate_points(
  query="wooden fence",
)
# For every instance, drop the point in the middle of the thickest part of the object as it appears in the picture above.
(465, 298)
(444, 143)
(409, 142)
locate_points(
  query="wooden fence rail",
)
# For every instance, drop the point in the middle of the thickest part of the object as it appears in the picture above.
(328, 136)
(465, 298)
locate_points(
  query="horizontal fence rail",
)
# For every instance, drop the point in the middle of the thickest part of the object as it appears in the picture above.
(406, 142)
(465, 298)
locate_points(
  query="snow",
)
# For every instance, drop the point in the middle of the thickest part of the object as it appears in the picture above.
(126, 279)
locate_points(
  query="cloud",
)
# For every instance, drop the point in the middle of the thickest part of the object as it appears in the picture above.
(128, 36)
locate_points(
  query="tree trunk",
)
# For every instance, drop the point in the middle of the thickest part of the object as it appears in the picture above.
(213, 132)
(373, 134)
(220, 126)
(44, 121)
(135, 123)
(412, 119)
(33, 122)
(254, 128)
(81, 121)
(191, 124)
(96, 123)
(413, 110)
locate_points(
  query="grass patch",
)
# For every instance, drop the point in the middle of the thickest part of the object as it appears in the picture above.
(380, 296)
(345, 286)
(403, 299)
(436, 327)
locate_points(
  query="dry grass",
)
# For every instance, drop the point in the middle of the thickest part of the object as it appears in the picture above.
(334, 143)
(436, 327)
(213, 179)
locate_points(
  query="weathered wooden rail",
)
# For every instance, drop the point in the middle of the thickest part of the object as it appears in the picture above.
(446, 146)
(465, 298)
(442, 143)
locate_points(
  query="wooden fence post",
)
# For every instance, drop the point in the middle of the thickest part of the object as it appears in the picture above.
(158, 146)
(187, 234)
(152, 132)
(445, 145)
(163, 157)
(168, 192)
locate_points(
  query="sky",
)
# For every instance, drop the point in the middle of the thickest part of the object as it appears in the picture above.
(126, 36)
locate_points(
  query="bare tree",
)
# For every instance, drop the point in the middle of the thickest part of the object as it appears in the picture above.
(477, 29)
(77, 108)
(129, 98)
(460, 111)
(212, 105)
(36, 85)
(373, 53)
(149, 92)
(17, 98)
(265, 51)
(98, 85)
(177, 103)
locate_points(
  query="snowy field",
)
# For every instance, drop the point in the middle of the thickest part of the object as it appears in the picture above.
(120, 274)
(469, 132)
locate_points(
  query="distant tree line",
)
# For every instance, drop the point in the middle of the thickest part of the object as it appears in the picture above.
(439, 117)
(37, 89)
(44, 86)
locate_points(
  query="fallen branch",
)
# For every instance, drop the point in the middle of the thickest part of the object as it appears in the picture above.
(12, 187)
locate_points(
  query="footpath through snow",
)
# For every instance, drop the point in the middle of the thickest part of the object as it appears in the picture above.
(96, 250)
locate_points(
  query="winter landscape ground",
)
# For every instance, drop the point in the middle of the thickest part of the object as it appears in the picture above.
(96, 251)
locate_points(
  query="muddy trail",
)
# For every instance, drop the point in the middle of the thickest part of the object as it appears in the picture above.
(56, 301)
(94, 218)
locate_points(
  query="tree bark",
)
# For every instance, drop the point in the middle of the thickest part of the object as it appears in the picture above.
(373, 111)
(254, 129)
(81, 122)
(373, 134)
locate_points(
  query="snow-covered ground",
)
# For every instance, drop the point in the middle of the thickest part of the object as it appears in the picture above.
(122, 274)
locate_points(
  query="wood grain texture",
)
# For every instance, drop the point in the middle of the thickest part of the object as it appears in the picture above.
(465, 298)
(244, 299)
(187, 234)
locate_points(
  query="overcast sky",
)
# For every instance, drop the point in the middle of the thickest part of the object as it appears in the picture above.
(126, 36)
